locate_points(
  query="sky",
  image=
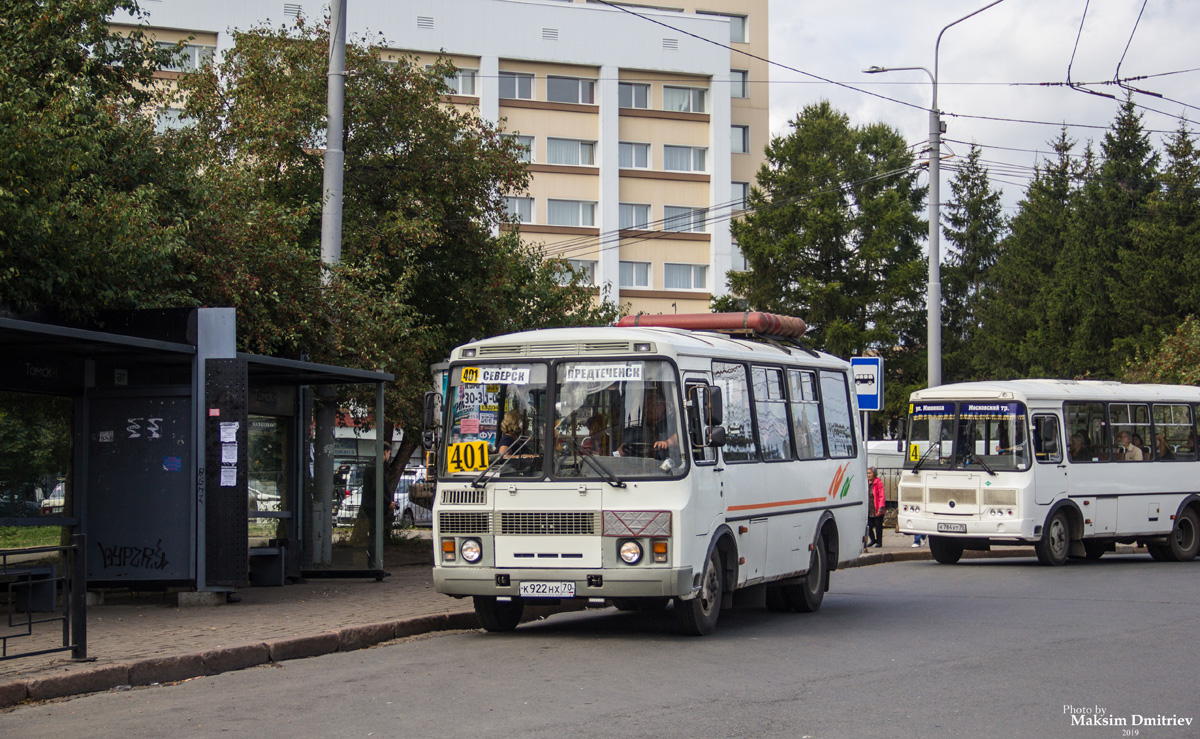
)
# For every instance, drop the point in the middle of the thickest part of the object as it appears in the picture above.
(980, 59)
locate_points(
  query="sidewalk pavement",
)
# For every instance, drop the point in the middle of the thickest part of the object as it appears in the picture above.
(145, 639)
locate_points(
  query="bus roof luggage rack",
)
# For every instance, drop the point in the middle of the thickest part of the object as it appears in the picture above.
(752, 324)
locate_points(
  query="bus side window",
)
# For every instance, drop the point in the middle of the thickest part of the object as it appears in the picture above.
(1047, 447)
(839, 425)
(739, 424)
(806, 414)
(700, 454)
(770, 409)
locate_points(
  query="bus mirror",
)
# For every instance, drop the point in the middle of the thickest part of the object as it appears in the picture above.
(431, 419)
(716, 436)
(715, 412)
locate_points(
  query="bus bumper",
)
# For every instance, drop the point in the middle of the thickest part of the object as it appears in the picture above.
(1012, 529)
(627, 582)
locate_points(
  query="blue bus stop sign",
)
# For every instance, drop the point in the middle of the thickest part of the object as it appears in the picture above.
(868, 382)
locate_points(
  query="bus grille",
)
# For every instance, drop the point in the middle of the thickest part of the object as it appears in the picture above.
(958, 495)
(912, 494)
(464, 497)
(456, 522)
(999, 496)
(548, 523)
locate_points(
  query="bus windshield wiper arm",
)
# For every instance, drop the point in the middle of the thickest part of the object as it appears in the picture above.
(498, 463)
(595, 464)
(971, 453)
(921, 461)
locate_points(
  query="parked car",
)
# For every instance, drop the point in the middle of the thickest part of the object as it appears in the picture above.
(408, 513)
(54, 503)
(260, 500)
(19, 501)
(347, 509)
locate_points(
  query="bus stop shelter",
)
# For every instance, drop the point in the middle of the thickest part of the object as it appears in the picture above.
(190, 461)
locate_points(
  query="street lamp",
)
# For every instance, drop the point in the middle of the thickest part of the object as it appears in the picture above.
(933, 298)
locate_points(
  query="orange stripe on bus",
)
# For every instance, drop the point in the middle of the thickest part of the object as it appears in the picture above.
(836, 480)
(755, 506)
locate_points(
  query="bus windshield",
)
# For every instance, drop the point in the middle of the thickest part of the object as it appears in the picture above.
(496, 420)
(984, 436)
(617, 419)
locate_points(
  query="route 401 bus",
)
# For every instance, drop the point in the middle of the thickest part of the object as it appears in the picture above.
(683, 460)
(1072, 467)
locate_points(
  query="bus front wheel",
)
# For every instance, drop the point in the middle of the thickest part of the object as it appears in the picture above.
(1185, 541)
(495, 615)
(1055, 544)
(945, 551)
(698, 616)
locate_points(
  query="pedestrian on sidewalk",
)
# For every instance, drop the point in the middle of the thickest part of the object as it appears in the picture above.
(876, 504)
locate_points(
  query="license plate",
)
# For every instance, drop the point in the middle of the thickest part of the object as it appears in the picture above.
(547, 590)
(952, 528)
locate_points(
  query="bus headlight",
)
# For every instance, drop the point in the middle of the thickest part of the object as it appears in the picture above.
(471, 550)
(631, 552)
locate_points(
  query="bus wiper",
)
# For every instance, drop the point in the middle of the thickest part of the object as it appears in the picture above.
(971, 453)
(916, 467)
(499, 462)
(609, 476)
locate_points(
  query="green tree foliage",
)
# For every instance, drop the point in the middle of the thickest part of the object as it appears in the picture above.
(87, 220)
(422, 267)
(1175, 362)
(974, 228)
(833, 236)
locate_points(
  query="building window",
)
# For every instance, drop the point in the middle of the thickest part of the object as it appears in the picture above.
(737, 83)
(683, 99)
(685, 276)
(525, 154)
(584, 269)
(633, 95)
(462, 82)
(738, 260)
(188, 57)
(170, 119)
(635, 215)
(739, 139)
(634, 156)
(683, 158)
(570, 151)
(740, 191)
(737, 25)
(679, 218)
(570, 90)
(519, 209)
(634, 274)
(516, 85)
(570, 213)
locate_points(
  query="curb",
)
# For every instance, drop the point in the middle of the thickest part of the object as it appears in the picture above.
(184, 667)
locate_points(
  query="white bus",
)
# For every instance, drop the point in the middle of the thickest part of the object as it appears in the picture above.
(638, 465)
(1072, 467)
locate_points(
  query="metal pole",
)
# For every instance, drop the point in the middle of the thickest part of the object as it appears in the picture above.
(380, 474)
(335, 157)
(933, 297)
(77, 594)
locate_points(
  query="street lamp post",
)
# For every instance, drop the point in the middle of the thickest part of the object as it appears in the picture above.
(933, 297)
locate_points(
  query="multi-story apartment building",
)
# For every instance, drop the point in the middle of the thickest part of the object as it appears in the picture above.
(624, 114)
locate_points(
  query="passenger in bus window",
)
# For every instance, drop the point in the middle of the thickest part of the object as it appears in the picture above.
(1077, 448)
(510, 433)
(1164, 451)
(1126, 451)
(597, 441)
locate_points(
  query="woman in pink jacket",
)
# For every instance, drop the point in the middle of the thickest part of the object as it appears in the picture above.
(875, 514)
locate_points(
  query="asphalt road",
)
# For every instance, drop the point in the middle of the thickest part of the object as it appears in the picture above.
(986, 648)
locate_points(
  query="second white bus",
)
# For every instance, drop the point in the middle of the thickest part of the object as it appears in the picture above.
(1072, 467)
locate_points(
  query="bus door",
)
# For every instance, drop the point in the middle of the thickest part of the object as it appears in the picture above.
(1050, 468)
(707, 489)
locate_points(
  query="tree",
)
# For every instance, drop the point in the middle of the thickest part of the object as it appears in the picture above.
(1023, 329)
(833, 236)
(422, 268)
(974, 228)
(1175, 362)
(87, 220)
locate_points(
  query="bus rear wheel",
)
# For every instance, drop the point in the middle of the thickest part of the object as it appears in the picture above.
(808, 596)
(945, 551)
(698, 616)
(496, 615)
(1185, 541)
(1055, 543)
